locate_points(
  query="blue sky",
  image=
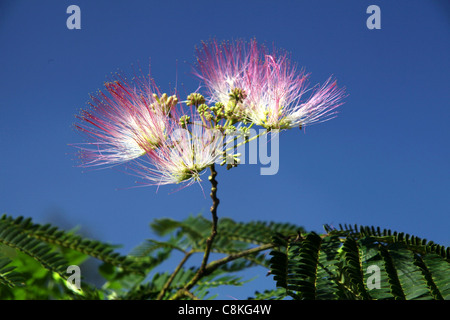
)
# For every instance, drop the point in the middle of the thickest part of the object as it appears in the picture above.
(384, 161)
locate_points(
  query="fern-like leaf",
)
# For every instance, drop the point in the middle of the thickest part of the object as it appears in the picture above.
(48, 235)
(8, 277)
(361, 263)
(14, 237)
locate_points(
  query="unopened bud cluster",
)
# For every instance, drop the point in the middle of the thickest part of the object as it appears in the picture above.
(164, 103)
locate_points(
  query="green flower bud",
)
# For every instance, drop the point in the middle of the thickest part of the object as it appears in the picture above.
(195, 99)
(184, 121)
(202, 109)
(237, 95)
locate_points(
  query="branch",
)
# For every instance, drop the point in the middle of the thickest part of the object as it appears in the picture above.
(177, 269)
(215, 219)
(216, 264)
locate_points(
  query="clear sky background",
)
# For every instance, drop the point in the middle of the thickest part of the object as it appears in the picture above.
(384, 161)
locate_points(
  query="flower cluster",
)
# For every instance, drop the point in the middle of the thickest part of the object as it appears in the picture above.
(270, 89)
(169, 141)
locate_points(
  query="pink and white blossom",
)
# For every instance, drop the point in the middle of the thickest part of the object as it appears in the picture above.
(122, 123)
(183, 156)
(227, 66)
(274, 89)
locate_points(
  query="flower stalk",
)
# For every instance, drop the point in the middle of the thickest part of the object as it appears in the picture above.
(215, 219)
(209, 242)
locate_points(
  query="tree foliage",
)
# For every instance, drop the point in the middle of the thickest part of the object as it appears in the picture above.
(352, 262)
(361, 263)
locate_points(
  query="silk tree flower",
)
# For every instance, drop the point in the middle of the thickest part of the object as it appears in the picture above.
(276, 96)
(183, 156)
(320, 107)
(274, 88)
(124, 124)
(224, 68)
